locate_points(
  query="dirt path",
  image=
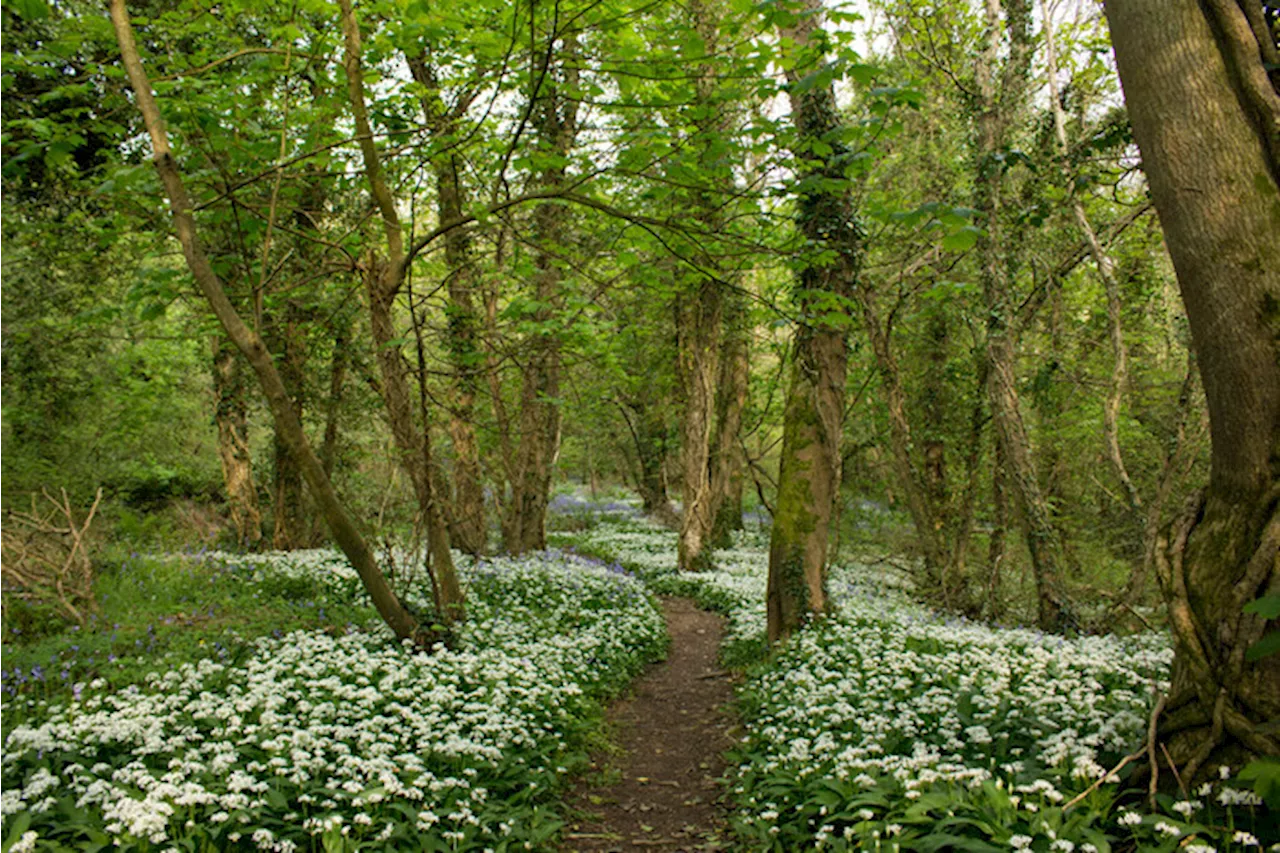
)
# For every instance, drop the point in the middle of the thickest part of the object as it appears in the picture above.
(659, 792)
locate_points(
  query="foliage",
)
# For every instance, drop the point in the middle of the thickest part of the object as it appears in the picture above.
(891, 726)
(337, 739)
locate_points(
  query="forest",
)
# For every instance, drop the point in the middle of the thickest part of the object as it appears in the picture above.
(601, 425)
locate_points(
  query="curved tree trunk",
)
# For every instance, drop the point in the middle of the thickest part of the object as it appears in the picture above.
(383, 279)
(345, 533)
(1207, 120)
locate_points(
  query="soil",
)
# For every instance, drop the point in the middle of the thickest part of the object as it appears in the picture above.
(660, 788)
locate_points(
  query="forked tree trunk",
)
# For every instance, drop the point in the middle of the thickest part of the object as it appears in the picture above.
(345, 533)
(809, 473)
(651, 437)
(383, 279)
(1207, 120)
(233, 445)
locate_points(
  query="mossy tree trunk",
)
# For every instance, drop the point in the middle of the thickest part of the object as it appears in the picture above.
(1207, 120)
(809, 472)
(468, 530)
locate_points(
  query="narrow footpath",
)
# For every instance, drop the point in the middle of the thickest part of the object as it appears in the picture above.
(659, 791)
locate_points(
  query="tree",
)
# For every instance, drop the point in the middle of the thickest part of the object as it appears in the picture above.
(344, 531)
(1206, 118)
(809, 471)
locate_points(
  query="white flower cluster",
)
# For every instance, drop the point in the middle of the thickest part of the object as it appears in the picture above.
(314, 728)
(889, 690)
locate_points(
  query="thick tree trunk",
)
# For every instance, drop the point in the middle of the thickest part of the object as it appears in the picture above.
(809, 472)
(698, 324)
(233, 445)
(699, 308)
(345, 533)
(1205, 117)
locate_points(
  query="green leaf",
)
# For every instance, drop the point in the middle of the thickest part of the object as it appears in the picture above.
(1265, 775)
(31, 10)
(962, 239)
(1268, 607)
(1267, 646)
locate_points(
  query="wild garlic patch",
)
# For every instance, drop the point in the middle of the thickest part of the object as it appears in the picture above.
(889, 726)
(323, 739)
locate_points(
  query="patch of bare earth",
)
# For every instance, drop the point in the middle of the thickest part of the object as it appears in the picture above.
(660, 789)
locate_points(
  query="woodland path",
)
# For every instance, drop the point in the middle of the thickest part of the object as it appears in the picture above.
(659, 790)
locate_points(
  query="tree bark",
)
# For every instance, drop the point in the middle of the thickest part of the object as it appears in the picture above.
(555, 119)
(1206, 118)
(1002, 91)
(731, 402)
(383, 278)
(699, 307)
(809, 472)
(345, 533)
(289, 524)
(233, 445)
(469, 528)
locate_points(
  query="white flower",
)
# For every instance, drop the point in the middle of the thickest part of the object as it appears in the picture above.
(1168, 829)
(1247, 839)
(26, 843)
(1020, 842)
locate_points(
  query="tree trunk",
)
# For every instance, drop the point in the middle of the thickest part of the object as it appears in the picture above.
(698, 325)
(1000, 101)
(925, 513)
(731, 402)
(233, 445)
(699, 308)
(809, 472)
(345, 533)
(651, 436)
(383, 278)
(1206, 119)
(555, 118)
(469, 530)
(288, 510)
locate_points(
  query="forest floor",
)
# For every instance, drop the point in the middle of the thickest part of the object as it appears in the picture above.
(659, 788)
